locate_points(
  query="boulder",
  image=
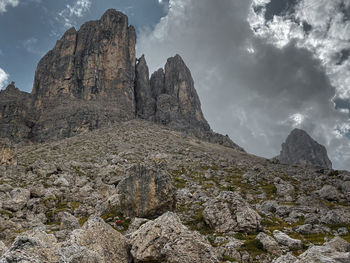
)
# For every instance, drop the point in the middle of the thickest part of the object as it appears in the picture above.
(18, 200)
(166, 239)
(230, 212)
(68, 222)
(286, 240)
(146, 192)
(95, 240)
(35, 246)
(335, 251)
(329, 192)
(269, 244)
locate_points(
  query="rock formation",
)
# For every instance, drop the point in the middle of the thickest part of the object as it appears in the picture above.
(15, 114)
(91, 79)
(299, 148)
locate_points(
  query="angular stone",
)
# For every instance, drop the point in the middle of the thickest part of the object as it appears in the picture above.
(69, 222)
(270, 244)
(19, 198)
(230, 212)
(97, 239)
(286, 240)
(329, 192)
(166, 239)
(299, 148)
(35, 246)
(146, 193)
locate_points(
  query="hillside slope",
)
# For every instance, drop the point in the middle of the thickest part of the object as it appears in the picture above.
(245, 208)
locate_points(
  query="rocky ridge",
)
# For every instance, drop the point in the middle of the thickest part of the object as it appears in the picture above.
(299, 148)
(165, 196)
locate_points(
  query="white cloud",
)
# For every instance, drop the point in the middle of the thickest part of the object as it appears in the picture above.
(329, 34)
(5, 3)
(3, 78)
(78, 9)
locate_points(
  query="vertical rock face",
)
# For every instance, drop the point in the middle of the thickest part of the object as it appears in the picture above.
(14, 113)
(301, 149)
(169, 95)
(97, 62)
(87, 80)
(179, 102)
(145, 101)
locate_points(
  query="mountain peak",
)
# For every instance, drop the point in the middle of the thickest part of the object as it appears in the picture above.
(299, 148)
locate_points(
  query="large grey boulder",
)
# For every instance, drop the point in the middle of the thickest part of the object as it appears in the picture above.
(269, 244)
(299, 148)
(230, 212)
(19, 198)
(95, 240)
(146, 192)
(286, 240)
(329, 192)
(166, 239)
(35, 246)
(335, 251)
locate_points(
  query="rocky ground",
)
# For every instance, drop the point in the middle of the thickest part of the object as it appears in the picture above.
(139, 192)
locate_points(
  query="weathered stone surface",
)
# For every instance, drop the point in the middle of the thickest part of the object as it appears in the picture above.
(329, 252)
(3, 248)
(166, 240)
(95, 65)
(299, 148)
(69, 222)
(97, 239)
(288, 258)
(329, 192)
(146, 193)
(35, 246)
(19, 198)
(230, 212)
(15, 113)
(178, 104)
(270, 245)
(145, 102)
(286, 240)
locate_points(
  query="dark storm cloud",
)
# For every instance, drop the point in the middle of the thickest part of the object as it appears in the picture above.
(251, 90)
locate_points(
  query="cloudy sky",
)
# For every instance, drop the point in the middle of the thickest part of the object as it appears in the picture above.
(261, 67)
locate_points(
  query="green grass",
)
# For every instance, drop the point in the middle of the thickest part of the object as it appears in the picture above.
(179, 182)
